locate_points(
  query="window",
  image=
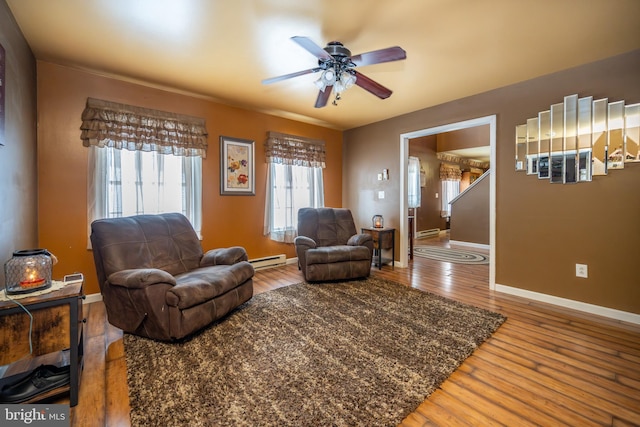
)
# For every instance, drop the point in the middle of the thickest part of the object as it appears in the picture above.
(289, 189)
(142, 161)
(294, 181)
(414, 192)
(450, 190)
(450, 176)
(125, 183)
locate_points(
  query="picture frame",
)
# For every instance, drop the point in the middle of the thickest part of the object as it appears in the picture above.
(237, 167)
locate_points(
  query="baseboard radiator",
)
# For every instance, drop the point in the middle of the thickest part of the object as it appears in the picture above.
(427, 233)
(268, 261)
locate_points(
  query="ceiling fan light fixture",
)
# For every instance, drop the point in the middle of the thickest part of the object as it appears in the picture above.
(348, 80)
(344, 82)
(338, 69)
(320, 84)
(328, 76)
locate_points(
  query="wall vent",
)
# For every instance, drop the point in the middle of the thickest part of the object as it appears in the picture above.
(268, 261)
(422, 234)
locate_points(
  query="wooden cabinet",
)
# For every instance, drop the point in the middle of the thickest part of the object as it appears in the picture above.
(57, 327)
(383, 239)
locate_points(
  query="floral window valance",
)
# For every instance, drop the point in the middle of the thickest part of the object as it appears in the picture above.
(460, 161)
(121, 126)
(450, 173)
(295, 150)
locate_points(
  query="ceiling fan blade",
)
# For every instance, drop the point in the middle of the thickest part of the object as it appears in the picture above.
(311, 47)
(395, 53)
(289, 76)
(323, 97)
(372, 86)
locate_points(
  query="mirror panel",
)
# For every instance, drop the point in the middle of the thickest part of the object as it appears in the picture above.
(632, 132)
(570, 139)
(615, 159)
(599, 137)
(584, 138)
(556, 161)
(532, 146)
(521, 147)
(544, 135)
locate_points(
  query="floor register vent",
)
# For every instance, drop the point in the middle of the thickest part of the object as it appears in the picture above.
(269, 261)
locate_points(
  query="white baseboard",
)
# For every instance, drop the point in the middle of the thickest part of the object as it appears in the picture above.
(469, 244)
(572, 304)
(92, 298)
(292, 261)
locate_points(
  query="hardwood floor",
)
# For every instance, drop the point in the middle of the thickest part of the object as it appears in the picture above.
(545, 365)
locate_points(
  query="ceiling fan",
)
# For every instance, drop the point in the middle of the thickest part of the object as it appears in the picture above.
(338, 69)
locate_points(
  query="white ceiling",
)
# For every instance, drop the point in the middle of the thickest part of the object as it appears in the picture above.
(222, 49)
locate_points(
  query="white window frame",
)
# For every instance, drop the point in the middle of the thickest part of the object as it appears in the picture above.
(105, 186)
(289, 188)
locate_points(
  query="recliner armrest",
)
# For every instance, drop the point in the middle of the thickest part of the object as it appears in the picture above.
(140, 278)
(224, 256)
(359, 240)
(304, 243)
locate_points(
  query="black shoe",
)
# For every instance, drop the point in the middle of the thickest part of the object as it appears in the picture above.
(42, 379)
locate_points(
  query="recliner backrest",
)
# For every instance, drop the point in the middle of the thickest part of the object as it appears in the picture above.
(326, 226)
(165, 241)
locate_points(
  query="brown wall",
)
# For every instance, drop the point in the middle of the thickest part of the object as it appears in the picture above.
(542, 230)
(470, 214)
(62, 165)
(477, 136)
(18, 173)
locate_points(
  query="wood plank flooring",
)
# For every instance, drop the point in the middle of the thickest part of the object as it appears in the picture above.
(545, 365)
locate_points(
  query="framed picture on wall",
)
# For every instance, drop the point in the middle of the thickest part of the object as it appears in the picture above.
(237, 166)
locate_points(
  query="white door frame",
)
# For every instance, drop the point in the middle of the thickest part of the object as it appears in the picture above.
(404, 159)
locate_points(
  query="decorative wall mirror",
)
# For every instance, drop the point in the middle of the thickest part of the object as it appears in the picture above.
(577, 139)
(544, 133)
(532, 146)
(632, 133)
(615, 159)
(584, 138)
(599, 137)
(556, 160)
(521, 147)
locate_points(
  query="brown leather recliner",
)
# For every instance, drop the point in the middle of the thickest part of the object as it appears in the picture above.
(157, 282)
(329, 247)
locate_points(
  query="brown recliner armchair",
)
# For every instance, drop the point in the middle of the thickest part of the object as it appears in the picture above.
(329, 247)
(157, 282)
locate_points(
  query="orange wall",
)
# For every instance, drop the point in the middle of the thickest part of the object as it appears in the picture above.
(62, 165)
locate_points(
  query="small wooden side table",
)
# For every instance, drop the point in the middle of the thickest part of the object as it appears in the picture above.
(57, 325)
(383, 238)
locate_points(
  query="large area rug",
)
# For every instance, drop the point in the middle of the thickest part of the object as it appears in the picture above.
(365, 352)
(459, 256)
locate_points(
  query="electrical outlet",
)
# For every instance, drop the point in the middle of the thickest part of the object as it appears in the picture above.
(582, 270)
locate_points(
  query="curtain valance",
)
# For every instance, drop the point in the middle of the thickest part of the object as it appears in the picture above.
(295, 150)
(121, 126)
(450, 173)
(461, 161)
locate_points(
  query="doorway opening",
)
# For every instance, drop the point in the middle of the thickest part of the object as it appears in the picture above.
(404, 159)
